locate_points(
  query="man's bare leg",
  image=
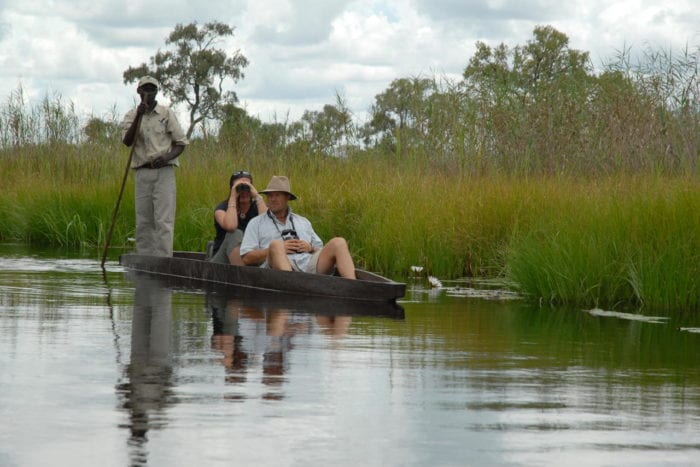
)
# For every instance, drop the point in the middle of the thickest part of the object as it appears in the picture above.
(277, 256)
(336, 253)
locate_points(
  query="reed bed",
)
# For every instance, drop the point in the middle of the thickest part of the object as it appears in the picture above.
(585, 194)
(629, 241)
(613, 241)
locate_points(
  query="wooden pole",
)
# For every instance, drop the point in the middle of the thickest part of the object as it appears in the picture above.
(121, 192)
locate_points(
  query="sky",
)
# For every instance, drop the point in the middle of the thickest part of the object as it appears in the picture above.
(303, 53)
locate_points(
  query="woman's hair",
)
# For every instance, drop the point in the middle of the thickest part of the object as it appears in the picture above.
(239, 174)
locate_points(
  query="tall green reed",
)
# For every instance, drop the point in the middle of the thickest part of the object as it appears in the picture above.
(589, 242)
(51, 120)
(627, 242)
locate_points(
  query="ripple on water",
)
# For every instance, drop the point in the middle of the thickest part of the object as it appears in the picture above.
(629, 316)
(36, 264)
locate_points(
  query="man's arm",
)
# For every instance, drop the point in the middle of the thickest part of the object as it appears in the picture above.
(129, 124)
(251, 253)
(178, 138)
(314, 240)
(255, 257)
(130, 134)
(162, 161)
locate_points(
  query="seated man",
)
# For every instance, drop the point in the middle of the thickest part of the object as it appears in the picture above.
(282, 240)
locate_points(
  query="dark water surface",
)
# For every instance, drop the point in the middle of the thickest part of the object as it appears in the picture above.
(127, 370)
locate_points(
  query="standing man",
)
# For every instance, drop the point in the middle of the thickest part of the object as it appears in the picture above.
(280, 239)
(159, 142)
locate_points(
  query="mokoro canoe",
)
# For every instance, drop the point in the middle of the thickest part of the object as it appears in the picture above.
(368, 287)
(224, 295)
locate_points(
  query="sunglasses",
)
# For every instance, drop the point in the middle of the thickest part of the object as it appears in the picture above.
(240, 174)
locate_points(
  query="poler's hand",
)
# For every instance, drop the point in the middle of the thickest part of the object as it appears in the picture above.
(160, 161)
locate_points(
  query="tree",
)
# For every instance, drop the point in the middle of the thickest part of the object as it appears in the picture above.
(329, 131)
(194, 71)
(533, 100)
(527, 71)
(246, 135)
(488, 75)
(548, 61)
(401, 112)
(99, 131)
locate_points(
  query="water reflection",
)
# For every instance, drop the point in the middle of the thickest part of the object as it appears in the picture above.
(255, 336)
(250, 337)
(147, 391)
(334, 326)
(453, 381)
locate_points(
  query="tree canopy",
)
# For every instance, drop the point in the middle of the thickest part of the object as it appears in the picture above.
(193, 71)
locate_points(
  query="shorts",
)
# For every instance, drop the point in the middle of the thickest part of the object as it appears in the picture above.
(311, 265)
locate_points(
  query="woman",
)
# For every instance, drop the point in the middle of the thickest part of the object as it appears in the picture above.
(231, 216)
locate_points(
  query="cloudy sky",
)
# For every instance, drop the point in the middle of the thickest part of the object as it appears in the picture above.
(303, 52)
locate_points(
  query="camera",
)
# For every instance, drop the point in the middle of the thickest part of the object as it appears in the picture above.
(241, 187)
(289, 234)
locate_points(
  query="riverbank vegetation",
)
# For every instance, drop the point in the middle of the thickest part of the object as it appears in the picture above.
(578, 187)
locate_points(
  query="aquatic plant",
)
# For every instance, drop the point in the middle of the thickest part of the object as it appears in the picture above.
(631, 241)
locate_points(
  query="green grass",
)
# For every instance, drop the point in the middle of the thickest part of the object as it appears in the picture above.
(620, 240)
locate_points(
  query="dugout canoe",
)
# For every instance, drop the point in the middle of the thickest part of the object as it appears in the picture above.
(222, 295)
(368, 287)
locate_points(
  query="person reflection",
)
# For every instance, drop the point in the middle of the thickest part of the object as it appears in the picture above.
(333, 326)
(227, 340)
(147, 391)
(250, 338)
(279, 334)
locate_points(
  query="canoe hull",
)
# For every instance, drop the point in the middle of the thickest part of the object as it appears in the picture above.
(368, 287)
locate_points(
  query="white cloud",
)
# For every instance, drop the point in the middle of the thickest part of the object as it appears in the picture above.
(302, 52)
(292, 23)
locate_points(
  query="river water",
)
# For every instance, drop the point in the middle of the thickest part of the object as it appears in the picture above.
(120, 369)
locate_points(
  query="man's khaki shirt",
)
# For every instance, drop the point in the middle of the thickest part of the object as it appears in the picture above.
(158, 131)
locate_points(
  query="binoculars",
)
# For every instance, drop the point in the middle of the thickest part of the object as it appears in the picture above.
(289, 234)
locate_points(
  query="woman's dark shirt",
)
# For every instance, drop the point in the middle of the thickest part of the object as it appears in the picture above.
(242, 222)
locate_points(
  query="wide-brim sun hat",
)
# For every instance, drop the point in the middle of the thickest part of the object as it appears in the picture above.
(148, 80)
(279, 183)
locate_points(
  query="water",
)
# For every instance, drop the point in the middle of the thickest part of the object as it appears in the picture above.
(119, 369)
